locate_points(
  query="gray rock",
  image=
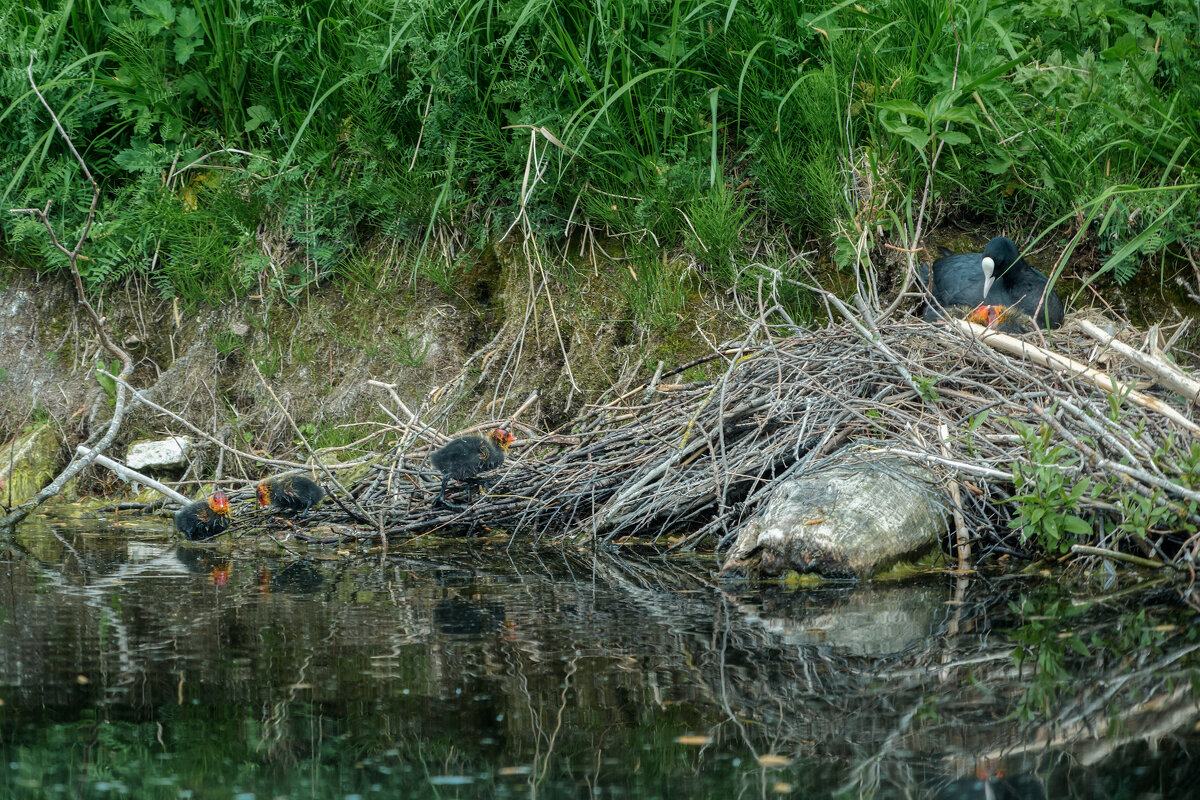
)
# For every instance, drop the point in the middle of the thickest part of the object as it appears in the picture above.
(159, 453)
(850, 521)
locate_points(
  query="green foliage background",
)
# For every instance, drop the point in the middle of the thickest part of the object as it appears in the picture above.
(704, 124)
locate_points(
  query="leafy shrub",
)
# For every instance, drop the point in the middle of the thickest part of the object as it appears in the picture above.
(340, 122)
(1047, 493)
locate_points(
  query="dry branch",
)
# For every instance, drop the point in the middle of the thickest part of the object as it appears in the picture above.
(112, 428)
(1060, 363)
(130, 475)
(1166, 374)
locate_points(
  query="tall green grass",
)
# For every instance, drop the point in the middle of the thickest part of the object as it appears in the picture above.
(695, 124)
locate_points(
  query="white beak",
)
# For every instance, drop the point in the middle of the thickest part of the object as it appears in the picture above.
(989, 267)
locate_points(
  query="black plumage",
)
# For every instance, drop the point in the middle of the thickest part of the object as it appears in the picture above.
(997, 276)
(464, 458)
(294, 493)
(204, 519)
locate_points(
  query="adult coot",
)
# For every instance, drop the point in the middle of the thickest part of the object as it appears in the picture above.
(997, 276)
(467, 456)
(294, 493)
(204, 519)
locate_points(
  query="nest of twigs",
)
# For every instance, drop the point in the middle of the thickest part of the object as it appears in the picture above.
(688, 463)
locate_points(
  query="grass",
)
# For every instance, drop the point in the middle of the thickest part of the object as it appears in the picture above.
(702, 127)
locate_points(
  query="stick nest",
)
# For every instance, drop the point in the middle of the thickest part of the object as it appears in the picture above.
(689, 462)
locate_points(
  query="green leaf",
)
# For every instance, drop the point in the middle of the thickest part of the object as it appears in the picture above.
(902, 107)
(160, 11)
(962, 114)
(108, 384)
(258, 116)
(917, 139)
(1002, 163)
(142, 157)
(1125, 47)
(954, 137)
(1078, 646)
(914, 136)
(189, 24)
(184, 49)
(1075, 525)
(942, 105)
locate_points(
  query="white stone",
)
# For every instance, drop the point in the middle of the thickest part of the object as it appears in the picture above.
(159, 453)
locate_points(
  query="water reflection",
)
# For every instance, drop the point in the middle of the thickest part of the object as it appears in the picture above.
(135, 667)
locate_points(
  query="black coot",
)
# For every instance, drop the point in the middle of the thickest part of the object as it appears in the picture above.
(467, 456)
(997, 276)
(294, 493)
(204, 519)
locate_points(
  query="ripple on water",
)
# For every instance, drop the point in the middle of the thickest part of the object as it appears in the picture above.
(143, 665)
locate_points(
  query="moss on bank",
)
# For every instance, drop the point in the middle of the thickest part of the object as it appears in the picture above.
(505, 328)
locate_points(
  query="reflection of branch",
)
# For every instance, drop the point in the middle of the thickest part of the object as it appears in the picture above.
(9, 523)
(1096, 737)
(572, 666)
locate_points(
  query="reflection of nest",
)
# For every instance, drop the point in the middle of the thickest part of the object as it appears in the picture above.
(698, 458)
(940, 695)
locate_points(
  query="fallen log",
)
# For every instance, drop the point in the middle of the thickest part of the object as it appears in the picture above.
(130, 475)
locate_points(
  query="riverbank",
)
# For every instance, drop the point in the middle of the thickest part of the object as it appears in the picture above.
(676, 428)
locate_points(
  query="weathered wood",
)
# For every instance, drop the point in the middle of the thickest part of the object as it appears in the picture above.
(1166, 374)
(851, 521)
(1063, 364)
(130, 475)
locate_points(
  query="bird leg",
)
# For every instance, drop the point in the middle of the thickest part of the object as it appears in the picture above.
(441, 498)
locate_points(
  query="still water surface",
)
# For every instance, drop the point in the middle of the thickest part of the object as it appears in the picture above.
(136, 666)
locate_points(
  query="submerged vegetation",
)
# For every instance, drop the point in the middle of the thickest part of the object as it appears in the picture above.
(225, 134)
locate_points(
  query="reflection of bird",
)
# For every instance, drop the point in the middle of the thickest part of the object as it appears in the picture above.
(299, 577)
(467, 456)
(204, 519)
(294, 493)
(1001, 318)
(998, 275)
(993, 784)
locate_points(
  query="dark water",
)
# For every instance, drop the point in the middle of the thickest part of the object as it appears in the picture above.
(134, 666)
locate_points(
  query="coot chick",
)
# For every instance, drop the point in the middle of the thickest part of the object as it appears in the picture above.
(997, 276)
(294, 493)
(1005, 319)
(204, 519)
(467, 456)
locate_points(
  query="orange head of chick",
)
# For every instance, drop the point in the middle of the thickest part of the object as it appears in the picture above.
(219, 503)
(987, 315)
(502, 438)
